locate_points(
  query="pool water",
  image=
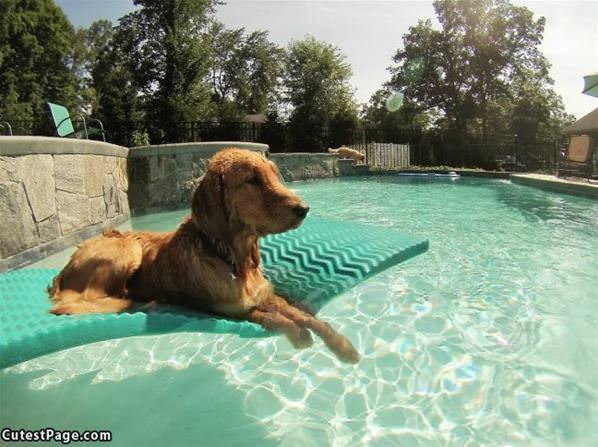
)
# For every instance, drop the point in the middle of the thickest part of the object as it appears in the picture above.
(487, 339)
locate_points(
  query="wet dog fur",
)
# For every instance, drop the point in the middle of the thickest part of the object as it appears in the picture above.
(210, 263)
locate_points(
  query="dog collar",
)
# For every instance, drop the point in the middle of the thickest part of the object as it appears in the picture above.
(219, 248)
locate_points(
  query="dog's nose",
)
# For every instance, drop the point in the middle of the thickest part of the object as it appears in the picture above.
(301, 210)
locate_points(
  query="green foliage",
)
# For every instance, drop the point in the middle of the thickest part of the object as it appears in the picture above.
(409, 116)
(473, 70)
(479, 76)
(316, 87)
(88, 46)
(169, 55)
(35, 60)
(244, 72)
(140, 138)
(118, 104)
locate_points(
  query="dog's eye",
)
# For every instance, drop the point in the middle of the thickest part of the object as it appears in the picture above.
(255, 180)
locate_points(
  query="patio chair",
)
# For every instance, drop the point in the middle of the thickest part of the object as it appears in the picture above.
(64, 125)
(578, 160)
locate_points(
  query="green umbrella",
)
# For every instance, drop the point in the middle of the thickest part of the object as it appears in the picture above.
(591, 85)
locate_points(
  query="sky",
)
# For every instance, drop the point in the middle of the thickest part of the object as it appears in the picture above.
(369, 32)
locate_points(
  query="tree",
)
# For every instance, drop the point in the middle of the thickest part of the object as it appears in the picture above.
(393, 124)
(170, 53)
(482, 49)
(244, 72)
(89, 45)
(537, 118)
(118, 103)
(316, 87)
(35, 60)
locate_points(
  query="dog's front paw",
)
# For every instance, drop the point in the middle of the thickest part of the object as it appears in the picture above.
(302, 339)
(348, 354)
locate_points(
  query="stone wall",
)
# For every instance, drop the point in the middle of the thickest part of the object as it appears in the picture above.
(164, 176)
(303, 166)
(55, 192)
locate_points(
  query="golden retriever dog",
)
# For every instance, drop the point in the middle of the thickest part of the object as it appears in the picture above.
(347, 152)
(210, 263)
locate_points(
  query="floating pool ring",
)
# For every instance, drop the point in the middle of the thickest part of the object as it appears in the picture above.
(312, 264)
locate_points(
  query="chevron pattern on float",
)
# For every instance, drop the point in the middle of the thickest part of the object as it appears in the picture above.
(311, 265)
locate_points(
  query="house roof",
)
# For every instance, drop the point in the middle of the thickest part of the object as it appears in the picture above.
(587, 125)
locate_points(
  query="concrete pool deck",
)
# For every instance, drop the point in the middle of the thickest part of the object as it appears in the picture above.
(552, 183)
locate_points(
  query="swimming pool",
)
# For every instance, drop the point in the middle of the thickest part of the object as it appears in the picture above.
(487, 339)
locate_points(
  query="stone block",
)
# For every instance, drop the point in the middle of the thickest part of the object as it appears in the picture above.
(199, 167)
(48, 229)
(94, 174)
(139, 198)
(69, 172)
(73, 211)
(162, 193)
(111, 198)
(124, 203)
(184, 161)
(97, 209)
(37, 174)
(138, 169)
(18, 227)
(110, 164)
(168, 166)
(122, 177)
(155, 168)
(9, 169)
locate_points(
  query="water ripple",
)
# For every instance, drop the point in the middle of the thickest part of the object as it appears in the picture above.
(488, 339)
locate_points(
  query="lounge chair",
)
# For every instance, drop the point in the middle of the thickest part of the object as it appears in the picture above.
(64, 125)
(578, 159)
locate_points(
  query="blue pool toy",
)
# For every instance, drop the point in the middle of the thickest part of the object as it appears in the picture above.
(312, 264)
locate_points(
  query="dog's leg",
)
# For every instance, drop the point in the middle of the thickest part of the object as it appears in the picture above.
(336, 342)
(94, 299)
(301, 306)
(94, 281)
(273, 321)
(107, 304)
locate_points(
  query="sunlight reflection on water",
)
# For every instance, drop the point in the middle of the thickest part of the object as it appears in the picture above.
(487, 339)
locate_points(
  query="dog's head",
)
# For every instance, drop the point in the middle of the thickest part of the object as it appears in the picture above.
(242, 191)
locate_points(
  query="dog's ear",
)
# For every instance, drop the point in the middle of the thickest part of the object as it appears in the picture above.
(209, 209)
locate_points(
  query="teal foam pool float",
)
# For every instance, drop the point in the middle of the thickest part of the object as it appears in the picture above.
(312, 264)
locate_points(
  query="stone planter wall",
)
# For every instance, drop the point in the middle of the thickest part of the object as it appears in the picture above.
(303, 166)
(55, 192)
(165, 176)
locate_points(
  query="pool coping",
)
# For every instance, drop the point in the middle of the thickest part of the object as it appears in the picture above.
(32, 145)
(578, 187)
(557, 184)
(207, 148)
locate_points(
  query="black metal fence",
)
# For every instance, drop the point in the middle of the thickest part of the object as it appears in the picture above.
(427, 148)
(18, 127)
(282, 137)
(214, 131)
(40, 126)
